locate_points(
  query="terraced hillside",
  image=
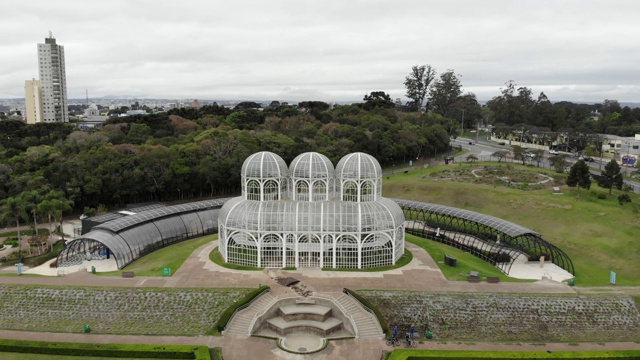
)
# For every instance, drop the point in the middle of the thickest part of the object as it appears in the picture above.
(150, 311)
(511, 317)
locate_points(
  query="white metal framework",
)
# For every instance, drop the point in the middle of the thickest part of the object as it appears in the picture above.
(310, 215)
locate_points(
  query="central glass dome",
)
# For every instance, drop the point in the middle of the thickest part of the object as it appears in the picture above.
(311, 215)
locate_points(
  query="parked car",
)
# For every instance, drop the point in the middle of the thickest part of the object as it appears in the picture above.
(471, 143)
(586, 158)
(554, 152)
(501, 143)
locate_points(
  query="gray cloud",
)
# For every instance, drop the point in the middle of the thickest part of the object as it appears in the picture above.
(329, 50)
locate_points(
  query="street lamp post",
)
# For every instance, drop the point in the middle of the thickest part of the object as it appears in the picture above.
(462, 122)
(628, 152)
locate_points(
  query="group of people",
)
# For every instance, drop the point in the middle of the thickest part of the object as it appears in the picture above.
(408, 335)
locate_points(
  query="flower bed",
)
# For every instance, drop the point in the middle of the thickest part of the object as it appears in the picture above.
(511, 317)
(150, 311)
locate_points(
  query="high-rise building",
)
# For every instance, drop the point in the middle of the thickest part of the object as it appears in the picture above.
(33, 101)
(53, 81)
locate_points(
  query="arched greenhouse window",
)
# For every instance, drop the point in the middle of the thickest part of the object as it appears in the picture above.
(253, 190)
(350, 191)
(347, 252)
(242, 249)
(367, 191)
(271, 251)
(271, 190)
(302, 191)
(319, 191)
(377, 250)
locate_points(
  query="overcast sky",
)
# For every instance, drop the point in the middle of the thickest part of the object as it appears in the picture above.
(325, 50)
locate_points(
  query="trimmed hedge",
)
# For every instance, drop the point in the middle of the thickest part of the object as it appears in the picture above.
(226, 315)
(542, 354)
(216, 353)
(376, 312)
(107, 350)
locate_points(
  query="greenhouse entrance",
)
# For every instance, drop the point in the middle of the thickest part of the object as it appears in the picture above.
(309, 251)
(310, 259)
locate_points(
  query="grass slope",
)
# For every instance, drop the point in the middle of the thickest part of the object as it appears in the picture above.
(599, 235)
(465, 261)
(172, 256)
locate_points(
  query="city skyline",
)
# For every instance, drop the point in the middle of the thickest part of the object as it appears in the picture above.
(581, 51)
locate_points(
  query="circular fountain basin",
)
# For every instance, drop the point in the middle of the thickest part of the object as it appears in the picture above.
(302, 342)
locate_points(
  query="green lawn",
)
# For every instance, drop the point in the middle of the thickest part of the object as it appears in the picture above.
(599, 235)
(216, 257)
(172, 256)
(465, 261)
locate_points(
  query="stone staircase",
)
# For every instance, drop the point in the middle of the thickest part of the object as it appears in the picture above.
(366, 324)
(239, 325)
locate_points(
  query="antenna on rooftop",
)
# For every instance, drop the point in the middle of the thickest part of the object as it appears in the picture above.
(50, 35)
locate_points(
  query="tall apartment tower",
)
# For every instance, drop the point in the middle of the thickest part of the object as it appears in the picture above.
(33, 101)
(53, 81)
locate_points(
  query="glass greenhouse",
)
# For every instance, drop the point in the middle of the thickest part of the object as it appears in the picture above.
(311, 215)
(128, 238)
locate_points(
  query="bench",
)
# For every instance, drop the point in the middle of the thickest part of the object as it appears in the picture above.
(473, 279)
(493, 279)
(128, 274)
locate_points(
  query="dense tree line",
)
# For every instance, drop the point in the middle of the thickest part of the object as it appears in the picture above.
(190, 153)
(516, 108)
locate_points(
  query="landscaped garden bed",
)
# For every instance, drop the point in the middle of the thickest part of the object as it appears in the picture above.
(151, 311)
(511, 317)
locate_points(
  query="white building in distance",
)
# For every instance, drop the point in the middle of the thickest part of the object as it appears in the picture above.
(33, 101)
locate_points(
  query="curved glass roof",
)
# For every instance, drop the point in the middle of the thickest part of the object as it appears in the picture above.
(358, 166)
(145, 216)
(506, 227)
(133, 236)
(264, 165)
(311, 165)
(322, 216)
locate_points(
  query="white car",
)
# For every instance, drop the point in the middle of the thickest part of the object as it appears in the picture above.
(554, 152)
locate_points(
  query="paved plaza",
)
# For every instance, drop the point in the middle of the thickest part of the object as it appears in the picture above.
(198, 271)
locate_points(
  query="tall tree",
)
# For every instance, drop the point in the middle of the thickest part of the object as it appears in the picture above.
(46, 207)
(31, 200)
(579, 175)
(558, 162)
(611, 176)
(444, 92)
(519, 153)
(378, 99)
(60, 206)
(418, 83)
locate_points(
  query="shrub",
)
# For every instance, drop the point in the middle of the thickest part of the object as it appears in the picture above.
(602, 196)
(624, 198)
